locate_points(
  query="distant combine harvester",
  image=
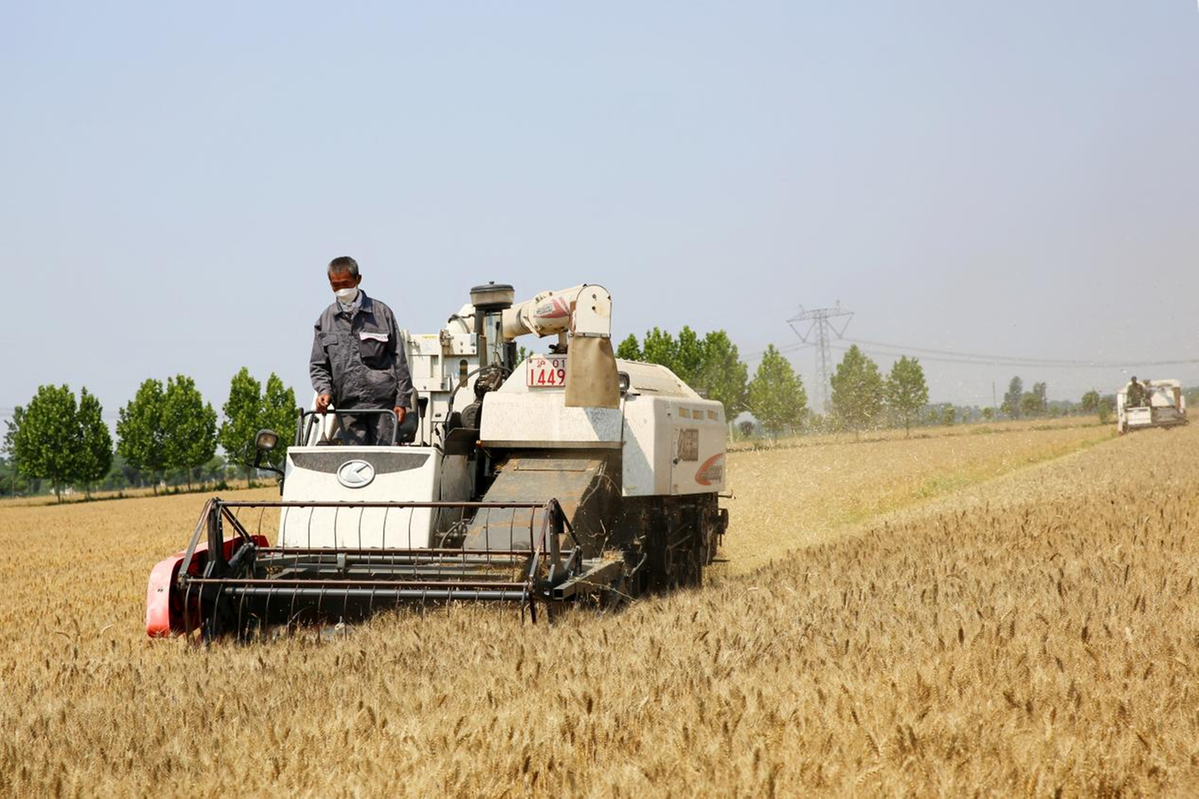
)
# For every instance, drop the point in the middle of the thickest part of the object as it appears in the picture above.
(1150, 403)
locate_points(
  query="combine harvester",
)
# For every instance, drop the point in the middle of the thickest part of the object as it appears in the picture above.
(566, 476)
(1161, 404)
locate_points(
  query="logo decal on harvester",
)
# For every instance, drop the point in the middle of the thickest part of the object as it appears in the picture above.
(355, 474)
(711, 471)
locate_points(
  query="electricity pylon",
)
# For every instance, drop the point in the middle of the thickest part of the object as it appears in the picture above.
(820, 329)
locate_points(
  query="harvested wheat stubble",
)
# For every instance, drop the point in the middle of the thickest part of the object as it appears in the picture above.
(1035, 633)
(786, 499)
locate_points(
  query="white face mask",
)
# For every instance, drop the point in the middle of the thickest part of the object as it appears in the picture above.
(347, 296)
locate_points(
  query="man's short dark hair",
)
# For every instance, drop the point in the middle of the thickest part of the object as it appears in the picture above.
(342, 264)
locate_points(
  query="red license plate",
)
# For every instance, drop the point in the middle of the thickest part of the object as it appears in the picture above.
(546, 371)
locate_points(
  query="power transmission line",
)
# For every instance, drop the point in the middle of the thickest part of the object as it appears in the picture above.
(1000, 360)
(820, 329)
(957, 354)
(1021, 359)
(796, 347)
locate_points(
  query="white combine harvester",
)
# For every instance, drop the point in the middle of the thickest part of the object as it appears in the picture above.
(1161, 404)
(567, 475)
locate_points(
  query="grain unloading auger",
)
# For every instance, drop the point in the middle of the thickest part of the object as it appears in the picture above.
(566, 476)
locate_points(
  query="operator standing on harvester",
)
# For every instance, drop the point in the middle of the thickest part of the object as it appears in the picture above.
(1137, 396)
(358, 361)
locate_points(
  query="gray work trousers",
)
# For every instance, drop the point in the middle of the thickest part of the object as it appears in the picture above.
(367, 430)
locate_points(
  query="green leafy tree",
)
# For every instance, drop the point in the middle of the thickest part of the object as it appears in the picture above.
(249, 409)
(243, 414)
(1030, 405)
(907, 391)
(140, 438)
(1013, 398)
(1107, 406)
(215, 469)
(9, 476)
(776, 394)
(949, 415)
(857, 397)
(721, 375)
(1040, 393)
(988, 413)
(688, 357)
(10, 481)
(660, 348)
(131, 474)
(279, 413)
(10, 435)
(116, 477)
(711, 365)
(188, 427)
(1090, 402)
(95, 442)
(47, 440)
(629, 349)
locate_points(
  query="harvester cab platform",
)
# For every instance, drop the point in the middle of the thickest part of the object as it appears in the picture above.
(567, 475)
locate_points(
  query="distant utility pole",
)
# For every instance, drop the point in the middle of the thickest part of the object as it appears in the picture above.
(818, 327)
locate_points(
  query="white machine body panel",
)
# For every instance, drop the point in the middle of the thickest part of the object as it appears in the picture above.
(1138, 417)
(356, 475)
(644, 450)
(673, 447)
(672, 441)
(698, 436)
(542, 420)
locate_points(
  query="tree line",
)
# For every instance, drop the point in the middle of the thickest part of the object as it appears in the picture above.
(711, 364)
(164, 428)
(1020, 404)
(861, 396)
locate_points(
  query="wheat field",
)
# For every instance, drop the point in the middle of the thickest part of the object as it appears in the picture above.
(997, 615)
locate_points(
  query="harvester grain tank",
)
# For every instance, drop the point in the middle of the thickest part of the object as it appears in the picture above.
(568, 475)
(1158, 403)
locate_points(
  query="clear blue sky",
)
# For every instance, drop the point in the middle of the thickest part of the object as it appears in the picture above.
(1016, 178)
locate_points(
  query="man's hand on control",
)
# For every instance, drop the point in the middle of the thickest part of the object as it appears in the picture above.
(401, 413)
(323, 401)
